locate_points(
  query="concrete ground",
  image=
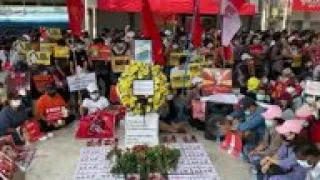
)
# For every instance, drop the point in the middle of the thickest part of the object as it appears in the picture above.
(57, 158)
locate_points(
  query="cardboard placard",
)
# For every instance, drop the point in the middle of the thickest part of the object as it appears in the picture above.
(313, 88)
(196, 58)
(41, 81)
(47, 47)
(141, 130)
(174, 59)
(118, 63)
(195, 69)
(25, 47)
(39, 57)
(97, 52)
(81, 81)
(54, 33)
(142, 50)
(179, 80)
(61, 52)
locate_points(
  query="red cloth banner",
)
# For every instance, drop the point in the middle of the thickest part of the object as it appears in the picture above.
(150, 30)
(173, 6)
(306, 5)
(76, 15)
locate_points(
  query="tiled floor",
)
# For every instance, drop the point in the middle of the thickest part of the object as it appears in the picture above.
(58, 158)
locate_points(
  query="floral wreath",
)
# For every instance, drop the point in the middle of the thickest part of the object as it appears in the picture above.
(142, 71)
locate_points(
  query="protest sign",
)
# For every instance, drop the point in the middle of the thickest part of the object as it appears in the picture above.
(142, 50)
(62, 52)
(174, 59)
(41, 81)
(180, 80)
(195, 69)
(49, 47)
(54, 33)
(118, 63)
(313, 88)
(97, 52)
(81, 81)
(39, 57)
(141, 130)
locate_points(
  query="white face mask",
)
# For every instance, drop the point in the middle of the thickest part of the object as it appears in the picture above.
(269, 123)
(290, 90)
(175, 46)
(304, 164)
(256, 41)
(94, 96)
(260, 97)
(15, 103)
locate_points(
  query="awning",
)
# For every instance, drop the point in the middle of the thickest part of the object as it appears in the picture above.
(303, 5)
(208, 7)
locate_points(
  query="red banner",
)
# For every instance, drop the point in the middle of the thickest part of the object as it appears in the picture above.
(173, 6)
(306, 5)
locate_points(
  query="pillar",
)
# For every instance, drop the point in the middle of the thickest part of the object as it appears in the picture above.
(94, 22)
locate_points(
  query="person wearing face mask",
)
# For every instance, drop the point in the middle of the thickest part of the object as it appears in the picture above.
(95, 102)
(52, 110)
(11, 117)
(271, 140)
(252, 127)
(283, 165)
(308, 155)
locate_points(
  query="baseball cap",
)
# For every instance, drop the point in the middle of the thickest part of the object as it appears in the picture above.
(290, 126)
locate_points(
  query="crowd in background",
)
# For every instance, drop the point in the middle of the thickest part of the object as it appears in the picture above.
(281, 141)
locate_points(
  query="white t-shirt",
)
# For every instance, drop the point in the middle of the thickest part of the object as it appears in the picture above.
(94, 106)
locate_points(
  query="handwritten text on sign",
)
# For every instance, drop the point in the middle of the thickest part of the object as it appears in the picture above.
(81, 81)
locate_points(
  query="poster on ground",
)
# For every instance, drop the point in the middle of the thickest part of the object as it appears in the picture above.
(81, 81)
(141, 130)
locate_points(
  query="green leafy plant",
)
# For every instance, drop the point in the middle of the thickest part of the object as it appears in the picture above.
(144, 160)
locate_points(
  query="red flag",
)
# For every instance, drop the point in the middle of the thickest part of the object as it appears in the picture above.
(150, 30)
(196, 26)
(76, 14)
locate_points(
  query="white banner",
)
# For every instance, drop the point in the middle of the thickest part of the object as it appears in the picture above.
(231, 22)
(81, 81)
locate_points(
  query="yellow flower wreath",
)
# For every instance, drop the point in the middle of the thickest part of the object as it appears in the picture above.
(141, 71)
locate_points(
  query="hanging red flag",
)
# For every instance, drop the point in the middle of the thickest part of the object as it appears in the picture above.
(238, 3)
(150, 30)
(76, 15)
(197, 28)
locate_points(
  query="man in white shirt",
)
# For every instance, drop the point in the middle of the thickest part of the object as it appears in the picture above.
(95, 102)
